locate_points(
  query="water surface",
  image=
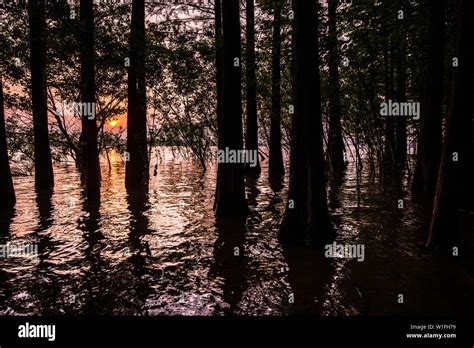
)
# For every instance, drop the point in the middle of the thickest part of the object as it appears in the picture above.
(165, 254)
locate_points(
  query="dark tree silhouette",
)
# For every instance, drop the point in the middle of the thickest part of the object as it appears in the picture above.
(219, 57)
(307, 217)
(44, 177)
(91, 154)
(430, 138)
(252, 125)
(137, 167)
(276, 167)
(335, 144)
(219, 52)
(230, 187)
(454, 186)
(401, 77)
(7, 192)
(293, 227)
(389, 71)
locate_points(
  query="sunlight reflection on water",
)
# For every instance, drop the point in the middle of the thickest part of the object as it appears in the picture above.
(165, 254)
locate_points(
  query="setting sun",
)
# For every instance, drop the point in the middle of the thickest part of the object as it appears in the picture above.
(113, 123)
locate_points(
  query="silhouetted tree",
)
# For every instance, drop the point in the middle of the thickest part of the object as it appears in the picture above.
(335, 143)
(137, 167)
(88, 96)
(219, 57)
(400, 83)
(430, 138)
(276, 167)
(401, 77)
(389, 73)
(252, 125)
(44, 177)
(306, 217)
(7, 192)
(454, 186)
(230, 189)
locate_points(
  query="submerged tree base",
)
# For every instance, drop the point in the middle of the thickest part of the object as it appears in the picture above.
(295, 231)
(231, 208)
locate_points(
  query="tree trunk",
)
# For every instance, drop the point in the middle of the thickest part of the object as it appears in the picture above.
(293, 226)
(7, 192)
(252, 125)
(219, 52)
(335, 143)
(230, 187)
(430, 138)
(276, 167)
(219, 59)
(401, 123)
(44, 177)
(306, 217)
(82, 158)
(389, 121)
(137, 167)
(454, 184)
(88, 96)
(320, 229)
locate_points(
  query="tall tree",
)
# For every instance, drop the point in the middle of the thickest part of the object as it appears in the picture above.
(293, 226)
(252, 125)
(7, 192)
(219, 53)
(137, 165)
(276, 167)
(335, 144)
(401, 78)
(454, 188)
(44, 177)
(219, 57)
(430, 137)
(88, 96)
(389, 70)
(306, 217)
(400, 90)
(230, 187)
